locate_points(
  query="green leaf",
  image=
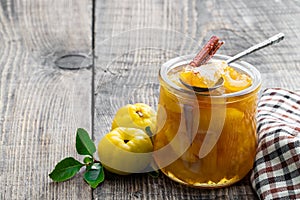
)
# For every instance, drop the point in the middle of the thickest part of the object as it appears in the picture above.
(84, 144)
(148, 131)
(65, 169)
(154, 174)
(88, 160)
(94, 175)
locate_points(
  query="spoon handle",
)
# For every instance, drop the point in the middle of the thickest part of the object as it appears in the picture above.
(272, 40)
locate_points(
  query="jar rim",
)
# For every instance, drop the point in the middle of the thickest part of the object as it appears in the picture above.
(184, 60)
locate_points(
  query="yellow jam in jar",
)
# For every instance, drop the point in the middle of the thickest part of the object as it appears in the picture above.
(207, 139)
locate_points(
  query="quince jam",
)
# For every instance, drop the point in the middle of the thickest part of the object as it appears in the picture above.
(206, 139)
(206, 76)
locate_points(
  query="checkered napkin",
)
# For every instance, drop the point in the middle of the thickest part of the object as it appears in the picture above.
(276, 172)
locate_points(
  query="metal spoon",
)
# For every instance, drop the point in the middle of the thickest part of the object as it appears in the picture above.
(272, 40)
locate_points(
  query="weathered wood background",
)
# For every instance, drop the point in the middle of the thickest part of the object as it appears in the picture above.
(115, 49)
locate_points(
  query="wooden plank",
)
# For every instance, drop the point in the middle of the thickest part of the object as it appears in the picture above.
(41, 105)
(244, 23)
(133, 39)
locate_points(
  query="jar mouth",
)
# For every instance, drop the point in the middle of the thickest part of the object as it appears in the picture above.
(245, 67)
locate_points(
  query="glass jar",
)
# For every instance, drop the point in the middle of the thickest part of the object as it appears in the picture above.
(205, 139)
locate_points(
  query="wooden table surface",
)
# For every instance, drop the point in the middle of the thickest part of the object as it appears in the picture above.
(67, 64)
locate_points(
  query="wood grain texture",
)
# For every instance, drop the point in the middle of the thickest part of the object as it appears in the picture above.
(134, 38)
(41, 106)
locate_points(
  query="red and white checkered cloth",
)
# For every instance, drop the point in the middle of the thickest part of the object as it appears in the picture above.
(276, 172)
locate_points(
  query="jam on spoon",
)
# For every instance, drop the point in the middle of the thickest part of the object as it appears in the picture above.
(196, 79)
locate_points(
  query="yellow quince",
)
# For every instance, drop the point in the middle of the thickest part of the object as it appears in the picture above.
(137, 115)
(125, 150)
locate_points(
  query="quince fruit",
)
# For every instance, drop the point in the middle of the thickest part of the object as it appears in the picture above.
(137, 115)
(125, 150)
